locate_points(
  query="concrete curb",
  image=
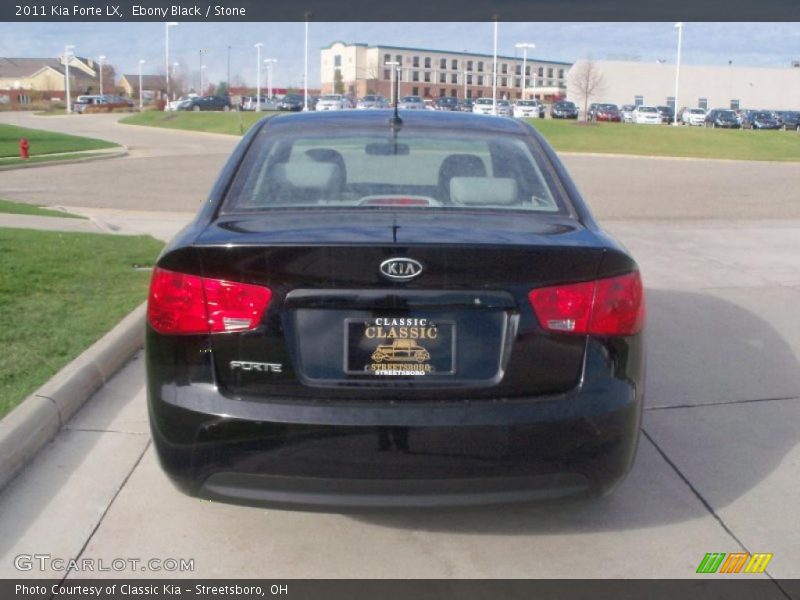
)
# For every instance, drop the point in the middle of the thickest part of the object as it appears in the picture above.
(32, 424)
(112, 153)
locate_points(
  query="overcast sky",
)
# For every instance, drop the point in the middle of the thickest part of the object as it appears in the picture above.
(751, 44)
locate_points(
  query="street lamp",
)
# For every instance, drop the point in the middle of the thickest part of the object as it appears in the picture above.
(393, 65)
(258, 76)
(269, 62)
(67, 53)
(202, 69)
(305, 70)
(101, 58)
(494, 70)
(679, 27)
(141, 103)
(524, 46)
(167, 25)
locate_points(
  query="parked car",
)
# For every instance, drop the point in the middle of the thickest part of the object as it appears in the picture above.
(174, 104)
(626, 113)
(82, 102)
(291, 102)
(692, 116)
(790, 120)
(722, 117)
(199, 103)
(760, 119)
(646, 115)
(667, 114)
(332, 102)
(372, 101)
(604, 112)
(530, 109)
(486, 106)
(564, 109)
(265, 385)
(449, 103)
(251, 103)
(411, 103)
(465, 105)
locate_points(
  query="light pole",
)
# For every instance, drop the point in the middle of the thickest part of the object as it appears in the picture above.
(258, 76)
(269, 62)
(393, 65)
(201, 53)
(305, 70)
(101, 58)
(679, 27)
(167, 25)
(494, 70)
(141, 103)
(67, 53)
(524, 46)
(202, 69)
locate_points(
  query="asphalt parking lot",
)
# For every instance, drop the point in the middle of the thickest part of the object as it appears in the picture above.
(718, 468)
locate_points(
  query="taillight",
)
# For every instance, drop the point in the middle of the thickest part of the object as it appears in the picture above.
(187, 304)
(612, 306)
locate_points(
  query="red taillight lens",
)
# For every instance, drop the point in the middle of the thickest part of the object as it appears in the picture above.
(613, 306)
(188, 304)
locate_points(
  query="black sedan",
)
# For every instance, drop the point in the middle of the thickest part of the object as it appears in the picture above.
(199, 103)
(759, 119)
(291, 103)
(371, 311)
(722, 117)
(564, 110)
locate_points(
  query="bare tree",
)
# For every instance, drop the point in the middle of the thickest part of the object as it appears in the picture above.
(587, 82)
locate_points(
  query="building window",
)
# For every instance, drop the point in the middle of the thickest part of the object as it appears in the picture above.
(415, 76)
(469, 65)
(454, 64)
(415, 91)
(415, 62)
(443, 63)
(454, 78)
(480, 79)
(517, 81)
(387, 58)
(638, 100)
(442, 92)
(504, 68)
(427, 76)
(528, 70)
(561, 73)
(399, 59)
(504, 82)
(337, 60)
(541, 71)
(702, 103)
(427, 91)
(518, 70)
(734, 105)
(671, 102)
(387, 73)
(480, 67)
(454, 92)
(442, 77)
(469, 94)
(550, 83)
(549, 71)
(469, 79)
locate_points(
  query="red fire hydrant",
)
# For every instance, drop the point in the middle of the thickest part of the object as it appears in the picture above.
(24, 148)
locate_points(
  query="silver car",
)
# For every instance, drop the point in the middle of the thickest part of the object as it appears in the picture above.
(411, 103)
(333, 102)
(486, 106)
(372, 102)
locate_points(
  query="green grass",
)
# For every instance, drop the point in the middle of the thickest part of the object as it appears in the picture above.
(20, 208)
(59, 293)
(45, 142)
(654, 140)
(232, 123)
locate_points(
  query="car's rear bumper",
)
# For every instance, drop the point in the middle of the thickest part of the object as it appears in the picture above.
(317, 454)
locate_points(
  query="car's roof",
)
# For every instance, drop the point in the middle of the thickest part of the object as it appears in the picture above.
(379, 119)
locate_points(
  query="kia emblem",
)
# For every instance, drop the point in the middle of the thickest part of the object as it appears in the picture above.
(400, 269)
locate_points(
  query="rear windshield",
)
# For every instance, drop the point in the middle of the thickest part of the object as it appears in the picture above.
(434, 168)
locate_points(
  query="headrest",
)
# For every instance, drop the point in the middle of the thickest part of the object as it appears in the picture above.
(483, 191)
(306, 174)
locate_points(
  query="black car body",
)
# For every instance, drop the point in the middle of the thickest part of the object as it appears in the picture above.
(667, 114)
(722, 117)
(372, 313)
(564, 110)
(291, 103)
(446, 103)
(789, 120)
(465, 106)
(759, 119)
(199, 103)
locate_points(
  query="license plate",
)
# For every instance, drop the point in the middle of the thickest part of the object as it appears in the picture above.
(399, 347)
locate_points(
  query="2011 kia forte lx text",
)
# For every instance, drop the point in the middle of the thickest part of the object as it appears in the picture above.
(408, 310)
